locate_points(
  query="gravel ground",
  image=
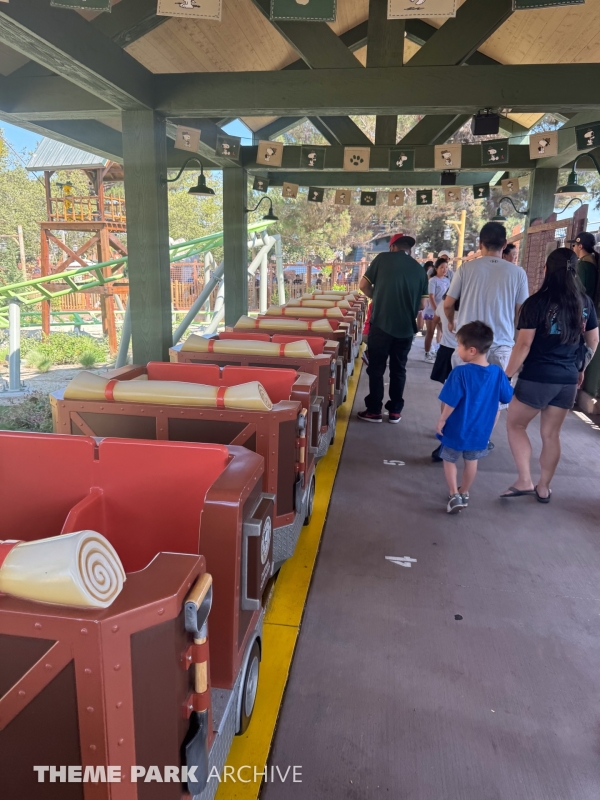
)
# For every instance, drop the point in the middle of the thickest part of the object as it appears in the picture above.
(56, 378)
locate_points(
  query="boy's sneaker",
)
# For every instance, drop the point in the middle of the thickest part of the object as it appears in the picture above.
(465, 498)
(394, 418)
(367, 417)
(455, 504)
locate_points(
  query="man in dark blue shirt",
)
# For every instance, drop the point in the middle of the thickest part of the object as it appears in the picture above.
(398, 286)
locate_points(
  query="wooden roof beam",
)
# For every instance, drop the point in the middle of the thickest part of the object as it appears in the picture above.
(393, 90)
(64, 42)
(49, 97)
(388, 52)
(279, 126)
(369, 179)
(128, 21)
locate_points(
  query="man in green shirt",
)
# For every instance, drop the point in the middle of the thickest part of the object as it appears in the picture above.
(397, 285)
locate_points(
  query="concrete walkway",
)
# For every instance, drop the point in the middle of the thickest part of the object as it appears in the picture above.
(475, 673)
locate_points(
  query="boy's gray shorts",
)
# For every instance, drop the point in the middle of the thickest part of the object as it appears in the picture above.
(449, 454)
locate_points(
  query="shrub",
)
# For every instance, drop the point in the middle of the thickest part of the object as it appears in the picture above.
(39, 361)
(66, 348)
(88, 359)
(33, 413)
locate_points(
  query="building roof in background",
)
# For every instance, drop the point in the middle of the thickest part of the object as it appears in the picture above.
(56, 155)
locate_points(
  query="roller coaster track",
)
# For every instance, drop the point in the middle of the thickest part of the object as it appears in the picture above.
(83, 279)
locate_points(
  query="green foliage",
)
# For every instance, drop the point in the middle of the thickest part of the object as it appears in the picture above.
(38, 360)
(33, 413)
(67, 348)
(88, 359)
(191, 216)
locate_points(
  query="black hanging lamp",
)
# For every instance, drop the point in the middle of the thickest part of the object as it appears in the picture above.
(269, 216)
(200, 189)
(499, 216)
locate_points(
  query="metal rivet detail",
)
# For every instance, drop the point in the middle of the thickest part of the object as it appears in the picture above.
(21, 693)
(84, 631)
(161, 611)
(115, 628)
(92, 747)
(117, 667)
(90, 709)
(48, 666)
(87, 671)
(120, 742)
(119, 704)
(38, 625)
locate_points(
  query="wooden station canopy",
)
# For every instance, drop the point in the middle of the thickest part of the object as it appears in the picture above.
(118, 84)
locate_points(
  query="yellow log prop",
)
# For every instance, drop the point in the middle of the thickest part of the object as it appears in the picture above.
(250, 324)
(320, 303)
(198, 344)
(247, 396)
(76, 569)
(286, 311)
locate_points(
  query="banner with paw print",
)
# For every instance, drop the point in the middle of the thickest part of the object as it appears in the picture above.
(343, 197)
(269, 153)
(368, 198)
(304, 10)
(198, 9)
(396, 197)
(424, 197)
(510, 185)
(315, 195)
(289, 190)
(421, 9)
(543, 145)
(481, 191)
(356, 159)
(447, 156)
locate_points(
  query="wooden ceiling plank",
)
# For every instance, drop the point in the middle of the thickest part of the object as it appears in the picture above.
(77, 52)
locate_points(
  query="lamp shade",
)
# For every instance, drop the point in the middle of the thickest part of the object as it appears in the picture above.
(201, 188)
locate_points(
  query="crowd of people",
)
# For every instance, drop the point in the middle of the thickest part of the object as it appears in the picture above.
(495, 347)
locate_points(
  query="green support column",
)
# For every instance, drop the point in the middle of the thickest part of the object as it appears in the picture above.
(145, 165)
(542, 185)
(235, 243)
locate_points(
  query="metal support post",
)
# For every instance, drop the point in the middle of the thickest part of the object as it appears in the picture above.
(279, 270)
(264, 281)
(125, 338)
(22, 251)
(15, 385)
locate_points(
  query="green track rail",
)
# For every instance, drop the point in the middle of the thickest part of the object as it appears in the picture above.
(83, 279)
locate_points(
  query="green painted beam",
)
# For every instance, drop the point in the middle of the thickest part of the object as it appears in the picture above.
(274, 129)
(373, 179)
(354, 39)
(379, 161)
(430, 90)
(542, 185)
(145, 158)
(235, 244)
(387, 37)
(49, 97)
(128, 21)
(64, 42)
(324, 130)
(342, 130)
(459, 37)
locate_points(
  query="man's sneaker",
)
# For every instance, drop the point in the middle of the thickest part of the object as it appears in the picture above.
(394, 418)
(455, 504)
(429, 357)
(366, 417)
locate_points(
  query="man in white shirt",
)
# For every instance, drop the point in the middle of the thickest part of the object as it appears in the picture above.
(491, 290)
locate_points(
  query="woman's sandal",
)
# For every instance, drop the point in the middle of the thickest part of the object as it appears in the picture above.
(543, 499)
(513, 492)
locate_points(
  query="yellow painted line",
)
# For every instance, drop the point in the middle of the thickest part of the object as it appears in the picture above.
(281, 629)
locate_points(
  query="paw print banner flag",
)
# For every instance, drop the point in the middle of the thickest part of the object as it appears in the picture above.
(305, 10)
(315, 195)
(312, 157)
(494, 152)
(289, 189)
(481, 191)
(425, 197)
(588, 136)
(421, 9)
(452, 195)
(90, 5)
(510, 185)
(447, 156)
(260, 184)
(402, 159)
(543, 145)
(396, 198)
(198, 9)
(368, 198)
(269, 153)
(228, 146)
(356, 159)
(343, 197)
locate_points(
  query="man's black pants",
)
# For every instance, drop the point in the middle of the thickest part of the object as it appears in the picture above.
(381, 347)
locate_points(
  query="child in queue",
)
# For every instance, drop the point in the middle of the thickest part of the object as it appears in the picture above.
(470, 398)
(443, 360)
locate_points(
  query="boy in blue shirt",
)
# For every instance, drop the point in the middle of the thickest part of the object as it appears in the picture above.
(471, 396)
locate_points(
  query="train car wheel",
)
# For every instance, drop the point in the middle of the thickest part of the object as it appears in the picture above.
(311, 501)
(249, 687)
